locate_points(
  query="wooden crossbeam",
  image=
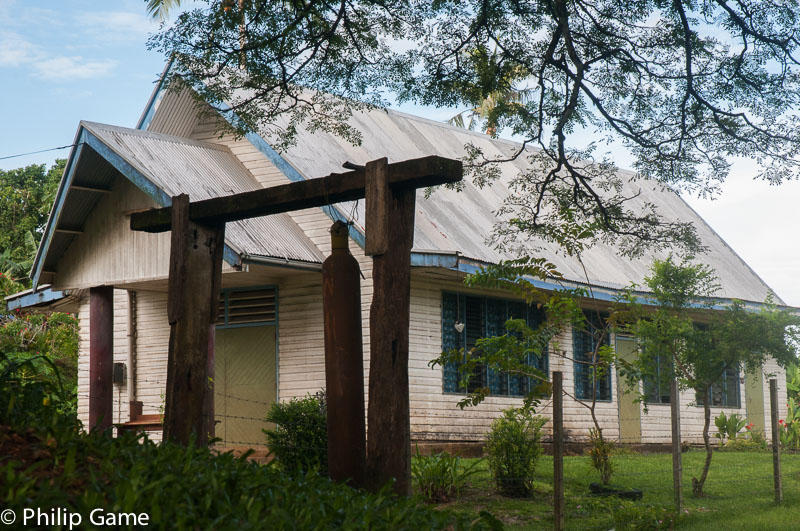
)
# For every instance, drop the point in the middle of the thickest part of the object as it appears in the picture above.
(335, 188)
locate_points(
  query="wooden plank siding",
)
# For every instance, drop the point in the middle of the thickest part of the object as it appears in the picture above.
(108, 252)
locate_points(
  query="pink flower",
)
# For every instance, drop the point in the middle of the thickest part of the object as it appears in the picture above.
(780, 422)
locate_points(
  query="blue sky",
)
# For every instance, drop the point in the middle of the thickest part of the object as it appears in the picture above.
(71, 60)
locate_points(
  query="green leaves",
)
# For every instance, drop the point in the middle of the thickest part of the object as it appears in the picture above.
(513, 448)
(26, 195)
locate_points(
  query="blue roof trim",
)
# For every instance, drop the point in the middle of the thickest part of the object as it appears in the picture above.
(454, 262)
(281, 163)
(155, 99)
(58, 204)
(147, 186)
(126, 169)
(291, 173)
(86, 137)
(35, 298)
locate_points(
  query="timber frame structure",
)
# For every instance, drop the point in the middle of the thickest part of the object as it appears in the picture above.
(198, 234)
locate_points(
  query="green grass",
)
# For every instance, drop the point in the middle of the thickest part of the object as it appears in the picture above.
(739, 494)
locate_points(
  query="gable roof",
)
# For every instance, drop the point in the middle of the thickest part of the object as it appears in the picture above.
(453, 229)
(162, 166)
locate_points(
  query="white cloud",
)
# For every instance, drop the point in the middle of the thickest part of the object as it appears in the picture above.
(63, 68)
(15, 50)
(114, 26)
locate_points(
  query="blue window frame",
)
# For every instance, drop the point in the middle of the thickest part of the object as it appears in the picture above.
(656, 380)
(584, 344)
(726, 392)
(485, 317)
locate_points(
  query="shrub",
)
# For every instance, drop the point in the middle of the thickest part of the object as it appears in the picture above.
(789, 429)
(600, 452)
(513, 447)
(192, 487)
(299, 441)
(442, 476)
(741, 444)
(728, 426)
(54, 464)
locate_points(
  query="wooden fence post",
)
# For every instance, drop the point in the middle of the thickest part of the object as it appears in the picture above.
(388, 423)
(776, 440)
(344, 361)
(677, 459)
(195, 276)
(558, 451)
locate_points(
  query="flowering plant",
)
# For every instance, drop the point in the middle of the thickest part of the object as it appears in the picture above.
(789, 429)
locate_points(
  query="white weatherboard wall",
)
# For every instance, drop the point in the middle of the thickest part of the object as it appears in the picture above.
(120, 345)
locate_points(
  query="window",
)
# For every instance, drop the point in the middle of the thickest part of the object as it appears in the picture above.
(485, 317)
(724, 393)
(247, 307)
(657, 379)
(584, 344)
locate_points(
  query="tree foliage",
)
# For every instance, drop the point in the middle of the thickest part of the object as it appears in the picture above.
(686, 86)
(682, 324)
(26, 195)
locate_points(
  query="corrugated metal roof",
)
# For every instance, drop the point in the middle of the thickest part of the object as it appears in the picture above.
(462, 221)
(175, 166)
(203, 170)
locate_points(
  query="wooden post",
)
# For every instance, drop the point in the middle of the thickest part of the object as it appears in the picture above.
(389, 429)
(776, 440)
(344, 361)
(558, 451)
(195, 271)
(101, 357)
(677, 459)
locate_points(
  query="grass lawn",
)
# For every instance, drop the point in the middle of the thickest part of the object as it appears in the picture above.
(739, 494)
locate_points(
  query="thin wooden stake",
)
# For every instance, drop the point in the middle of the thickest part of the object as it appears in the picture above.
(677, 459)
(776, 440)
(558, 451)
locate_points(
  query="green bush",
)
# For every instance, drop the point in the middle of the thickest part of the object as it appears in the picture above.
(742, 444)
(191, 488)
(600, 452)
(440, 477)
(513, 447)
(47, 461)
(299, 441)
(729, 426)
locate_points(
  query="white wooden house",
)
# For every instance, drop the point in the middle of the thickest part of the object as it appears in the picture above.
(269, 339)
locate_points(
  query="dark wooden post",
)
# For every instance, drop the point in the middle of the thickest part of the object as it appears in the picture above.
(776, 440)
(389, 430)
(677, 459)
(195, 271)
(558, 451)
(344, 361)
(101, 357)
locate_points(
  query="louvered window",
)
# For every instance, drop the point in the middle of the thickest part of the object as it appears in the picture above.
(247, 307)
(485, 317)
